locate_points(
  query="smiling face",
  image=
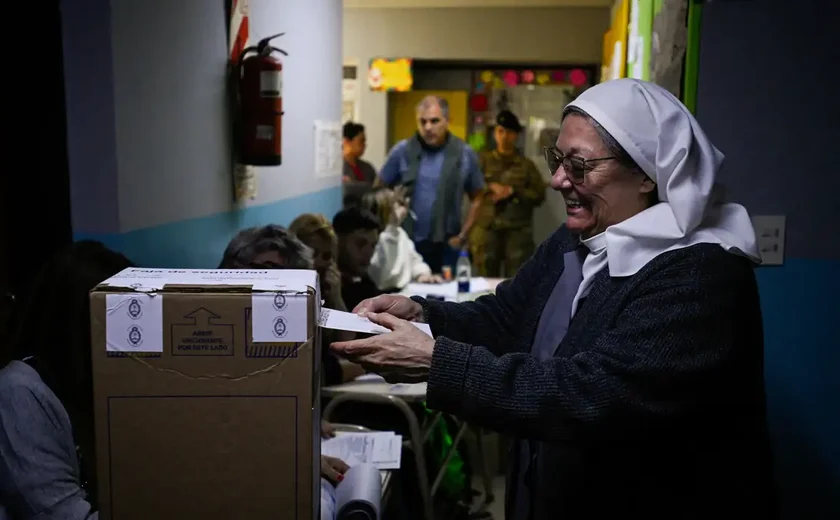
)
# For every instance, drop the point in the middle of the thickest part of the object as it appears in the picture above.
(610, 192)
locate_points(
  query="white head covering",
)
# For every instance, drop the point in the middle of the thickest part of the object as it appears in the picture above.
(665, 140)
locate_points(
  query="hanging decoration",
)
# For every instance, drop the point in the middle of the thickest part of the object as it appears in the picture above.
(528, 77)
(479, 87)
(487, 76)
(543, 78)
(578, 78)
(511, 78)
(498, 83)
(558, 76)
(478, 103)
(390, 74)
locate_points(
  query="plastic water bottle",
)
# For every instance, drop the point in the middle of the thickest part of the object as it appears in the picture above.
(463, 272)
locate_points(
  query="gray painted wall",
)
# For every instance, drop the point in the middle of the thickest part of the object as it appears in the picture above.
(769, 99)
(91, 143)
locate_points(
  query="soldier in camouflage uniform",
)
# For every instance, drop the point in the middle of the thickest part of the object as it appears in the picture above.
(502, 238)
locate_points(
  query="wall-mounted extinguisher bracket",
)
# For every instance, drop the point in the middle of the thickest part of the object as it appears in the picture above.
(259, 85)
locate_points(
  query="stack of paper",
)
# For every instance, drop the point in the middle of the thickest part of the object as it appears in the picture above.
(448, 291)
(380, 449)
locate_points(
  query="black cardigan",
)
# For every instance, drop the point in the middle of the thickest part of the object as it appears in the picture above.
(654, 402)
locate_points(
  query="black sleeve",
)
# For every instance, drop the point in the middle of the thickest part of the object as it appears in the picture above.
(492, 320)
(665, 354)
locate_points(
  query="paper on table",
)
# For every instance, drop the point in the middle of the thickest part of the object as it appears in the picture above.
(381, 449)
(327, 500)
(448, 290)
(340, 320)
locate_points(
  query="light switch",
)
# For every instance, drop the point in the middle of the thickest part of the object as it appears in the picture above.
(770, 233)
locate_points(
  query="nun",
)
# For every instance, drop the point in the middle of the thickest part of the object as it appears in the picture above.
(625, 358)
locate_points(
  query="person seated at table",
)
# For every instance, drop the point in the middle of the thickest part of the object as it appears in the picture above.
(395, 261)
(316, 232)
(358, 233)
(358, 230)
(47, 455)
(275, 247)
(266, 247)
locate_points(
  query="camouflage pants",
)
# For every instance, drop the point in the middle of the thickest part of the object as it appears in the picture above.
(499, 253)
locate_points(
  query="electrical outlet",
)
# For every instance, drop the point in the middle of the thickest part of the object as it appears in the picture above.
(770, 234)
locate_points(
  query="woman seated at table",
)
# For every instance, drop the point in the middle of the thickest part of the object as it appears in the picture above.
(316, 232)
(395, 262)
(626, 356)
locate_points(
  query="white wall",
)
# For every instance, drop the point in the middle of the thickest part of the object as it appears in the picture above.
(560, 35)
(173, 145)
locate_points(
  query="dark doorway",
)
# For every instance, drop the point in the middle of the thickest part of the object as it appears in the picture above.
(35, 191)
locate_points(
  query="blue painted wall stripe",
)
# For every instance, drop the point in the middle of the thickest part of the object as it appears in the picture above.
(800, 307)
(198, 243)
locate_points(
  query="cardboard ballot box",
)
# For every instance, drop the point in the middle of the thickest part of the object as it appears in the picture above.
(206, 394)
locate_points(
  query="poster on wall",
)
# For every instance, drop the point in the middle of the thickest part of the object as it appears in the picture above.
(390, 75)
(328, 159)
(350, 94)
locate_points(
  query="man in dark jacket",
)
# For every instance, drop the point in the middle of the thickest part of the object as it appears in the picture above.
(437, 169)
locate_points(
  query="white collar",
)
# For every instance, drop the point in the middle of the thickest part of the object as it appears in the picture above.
(596, 244)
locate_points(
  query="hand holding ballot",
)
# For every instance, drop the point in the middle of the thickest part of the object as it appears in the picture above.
(402, 355)
(393, 304)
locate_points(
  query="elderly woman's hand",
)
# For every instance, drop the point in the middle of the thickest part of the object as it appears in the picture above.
(404, 354)
(395, 305)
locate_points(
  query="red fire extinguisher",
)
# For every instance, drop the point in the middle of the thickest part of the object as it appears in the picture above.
(259, 103)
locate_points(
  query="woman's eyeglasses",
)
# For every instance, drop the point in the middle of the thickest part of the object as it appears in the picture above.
(575, 167)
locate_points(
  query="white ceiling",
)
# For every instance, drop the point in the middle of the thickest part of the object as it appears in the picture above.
(357, 4)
